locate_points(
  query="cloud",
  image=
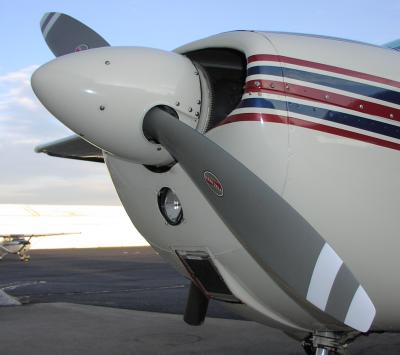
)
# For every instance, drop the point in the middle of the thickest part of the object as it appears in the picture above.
(68, 188)
(16, 92)
(21, 75)
(18, 108)
(28, 177)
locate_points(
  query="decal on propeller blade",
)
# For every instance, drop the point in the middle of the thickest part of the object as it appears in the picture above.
(213, 183)
(81, 47)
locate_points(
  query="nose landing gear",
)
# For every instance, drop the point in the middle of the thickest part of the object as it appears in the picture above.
(329, 343)
(23, 254)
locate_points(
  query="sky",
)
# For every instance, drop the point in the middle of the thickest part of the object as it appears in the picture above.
(30, 178)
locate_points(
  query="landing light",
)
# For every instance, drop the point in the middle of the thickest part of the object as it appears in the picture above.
(170, 206)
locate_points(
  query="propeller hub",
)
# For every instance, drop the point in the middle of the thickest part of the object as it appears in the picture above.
(110, 89)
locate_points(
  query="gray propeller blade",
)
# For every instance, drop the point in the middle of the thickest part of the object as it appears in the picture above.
(282, 242)
(64, 34)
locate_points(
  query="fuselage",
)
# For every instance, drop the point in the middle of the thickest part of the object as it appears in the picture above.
(318, 122)
(15, 246)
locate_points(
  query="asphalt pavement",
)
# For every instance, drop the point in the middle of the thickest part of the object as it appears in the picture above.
(126, 301)
(131, 278)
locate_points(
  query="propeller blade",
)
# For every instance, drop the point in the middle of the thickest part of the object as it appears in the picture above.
(64, 34)
(282, 242)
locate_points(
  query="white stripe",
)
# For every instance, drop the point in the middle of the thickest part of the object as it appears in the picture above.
(264, 77)
(345, 77)
(44, 18)
(318, 121)
(323, 277)
(322, 105)
(269, 111)
(324, 72)
(323, 88)
(344, 127)
(341, 92)
(51, 24)
(361, 312)
(259, 63)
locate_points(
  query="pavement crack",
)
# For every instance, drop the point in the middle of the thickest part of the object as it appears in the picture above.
(127, 290)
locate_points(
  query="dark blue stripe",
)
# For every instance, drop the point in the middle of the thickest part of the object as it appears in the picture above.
(328, 115)
(267, 70)
(330, 81)
(260, 102)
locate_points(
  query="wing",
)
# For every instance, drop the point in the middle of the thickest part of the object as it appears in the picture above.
(11, 237)
(72, 147)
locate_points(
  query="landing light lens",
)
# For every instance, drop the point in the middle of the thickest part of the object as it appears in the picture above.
(170, 206)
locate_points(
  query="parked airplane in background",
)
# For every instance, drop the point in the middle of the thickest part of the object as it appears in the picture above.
(98, 226)
(20, 244)
(264, 166)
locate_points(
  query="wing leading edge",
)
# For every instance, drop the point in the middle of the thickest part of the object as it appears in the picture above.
(19, 236)
(72, 147)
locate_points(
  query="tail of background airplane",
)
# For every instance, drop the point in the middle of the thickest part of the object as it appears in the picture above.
(393, 44)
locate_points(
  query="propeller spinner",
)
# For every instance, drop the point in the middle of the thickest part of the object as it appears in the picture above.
(110, 89)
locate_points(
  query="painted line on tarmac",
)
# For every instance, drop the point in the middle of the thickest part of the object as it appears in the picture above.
(76, 293)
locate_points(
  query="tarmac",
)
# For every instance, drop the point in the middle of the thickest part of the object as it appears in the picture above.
(126, 301)
(131, 278)
(65, 328)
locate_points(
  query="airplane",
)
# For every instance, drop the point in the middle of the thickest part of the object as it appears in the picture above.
(84, 226)
(20, 244)
(264, 166)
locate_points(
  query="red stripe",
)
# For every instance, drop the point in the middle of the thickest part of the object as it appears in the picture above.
(263, 117)
(259, 117)
(293, 90)
(326, 67)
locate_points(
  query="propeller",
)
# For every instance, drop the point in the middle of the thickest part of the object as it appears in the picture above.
(282, 242)
(64, 34)
(270, 229)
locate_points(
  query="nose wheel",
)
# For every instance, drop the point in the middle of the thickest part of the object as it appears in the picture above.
(25, 258)
(23, 255)
(329, 343)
